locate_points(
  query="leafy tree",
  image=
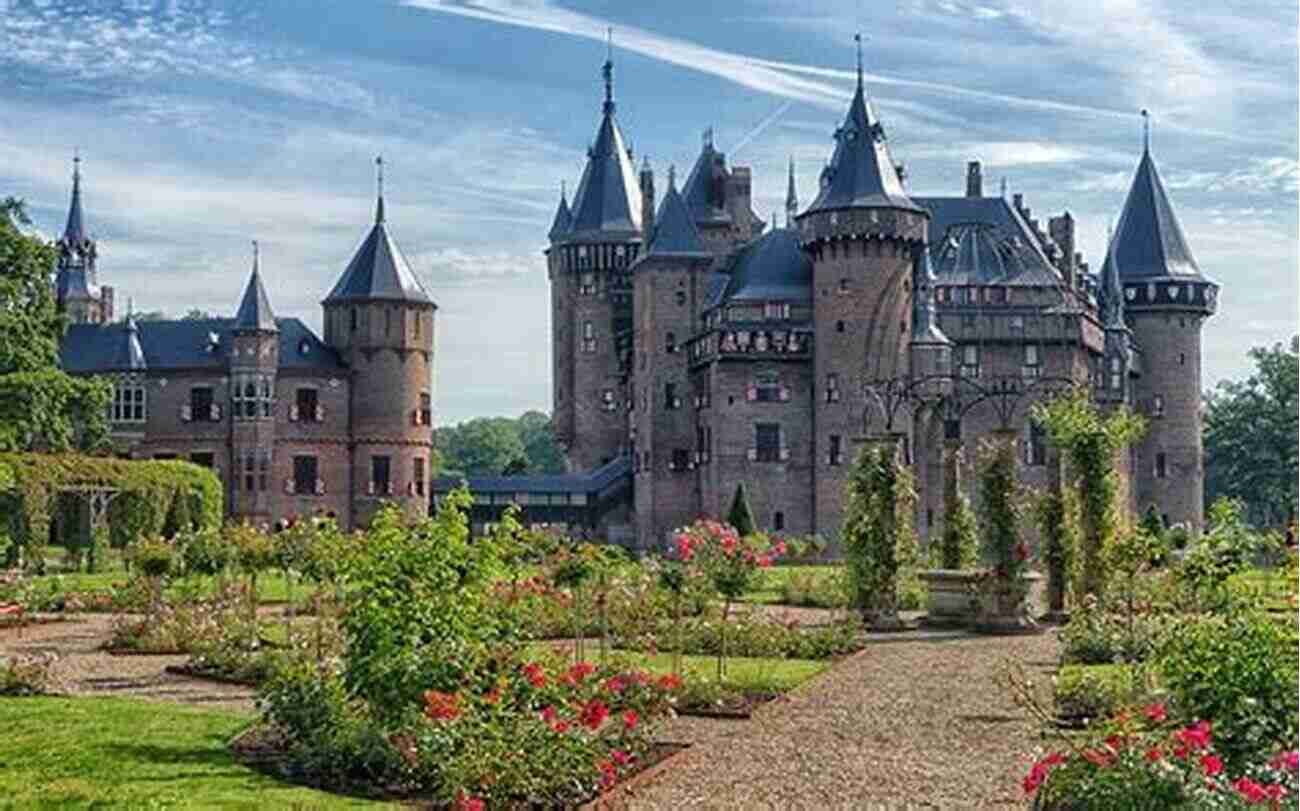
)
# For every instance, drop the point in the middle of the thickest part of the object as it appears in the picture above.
(493, 446)
(1252, 438)
(741, 516)
(41, 407)
(538, 436)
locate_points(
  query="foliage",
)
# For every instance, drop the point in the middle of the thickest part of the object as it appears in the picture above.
(41, 406)
(1252, 442)
(1240, 670)
(1000, 509)
(959, 545)
(747, 634)
(815, 588)
(26, 675)
(1152, 522)
(1099, 691)
(877, 535)
(1095, 635)
(492, 446)
(152, 557)
(1090, 442)
(1056, 511)
(740, 515)
(1228, 547)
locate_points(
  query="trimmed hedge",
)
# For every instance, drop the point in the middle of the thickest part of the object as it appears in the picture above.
(150, 492)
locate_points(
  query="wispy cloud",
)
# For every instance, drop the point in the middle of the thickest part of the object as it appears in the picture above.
(1260, 176)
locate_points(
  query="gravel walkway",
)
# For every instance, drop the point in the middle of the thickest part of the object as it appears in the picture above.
(83, 667)
(913, 721)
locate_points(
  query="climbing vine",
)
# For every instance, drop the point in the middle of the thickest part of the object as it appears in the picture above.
(147, 494)
(1056, 512)
(1090, 441)
(878, 538)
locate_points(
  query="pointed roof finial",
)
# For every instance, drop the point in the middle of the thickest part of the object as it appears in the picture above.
(379, 186)
(706, 137)
(75, 230)
(607, 70)
(564, 191)
(257, 256)
(1004, 186)
(672, 175)
(857, 38)
(791, 197)
(1146, 130)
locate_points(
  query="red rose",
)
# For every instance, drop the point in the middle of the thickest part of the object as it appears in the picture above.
(594, 714)
(630, 719)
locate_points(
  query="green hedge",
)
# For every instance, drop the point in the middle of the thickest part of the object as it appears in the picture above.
(149, 493)
(1099, 691)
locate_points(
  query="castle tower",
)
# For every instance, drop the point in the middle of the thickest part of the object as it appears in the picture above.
(76, 287)
(670, 288)
(589, 264)
(381, 320)
(1166, 300)
(720, 199)
(254, 358)
(861, 233)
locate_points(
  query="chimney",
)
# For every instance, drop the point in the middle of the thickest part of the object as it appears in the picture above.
(1062, 230)
(647, 198)
(974, 180)
(106, 304)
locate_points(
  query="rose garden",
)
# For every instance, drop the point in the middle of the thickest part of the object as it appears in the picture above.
(1121, 663)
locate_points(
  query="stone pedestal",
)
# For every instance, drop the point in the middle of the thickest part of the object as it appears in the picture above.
(1005, 609)
(950, 603)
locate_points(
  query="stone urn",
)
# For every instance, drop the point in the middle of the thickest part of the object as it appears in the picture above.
(1004, 608)
(950, 594)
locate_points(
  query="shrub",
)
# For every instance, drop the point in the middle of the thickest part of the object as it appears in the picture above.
(152, 557)
(1099, 691)
(959, 547)
(1240, 670)
(747, 635)
(26, 675)
(741, 517)
(1095, 635)
(811, 588)
(877, 535)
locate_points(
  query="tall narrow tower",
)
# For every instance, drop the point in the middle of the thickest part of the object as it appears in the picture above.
(381, 320)
(861, 233)
(76, 287)
(593, 246)
(254, 358)
(1166, 301)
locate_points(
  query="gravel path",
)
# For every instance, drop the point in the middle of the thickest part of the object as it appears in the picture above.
(913, 721)
(83, 667)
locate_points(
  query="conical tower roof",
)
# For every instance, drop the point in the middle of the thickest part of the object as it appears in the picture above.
(925, 318)
(1149, 242)
(378, 269)
(75, 230)
(255, 308)
(702, 193)
(607, 204)
(563, 219)
(861, 173)
(675, 233)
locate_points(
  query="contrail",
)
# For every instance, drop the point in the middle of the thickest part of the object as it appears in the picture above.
(758, 130)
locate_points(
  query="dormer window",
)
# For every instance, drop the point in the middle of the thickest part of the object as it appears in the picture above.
(304, 346)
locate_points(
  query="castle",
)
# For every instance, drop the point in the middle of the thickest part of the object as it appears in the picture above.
(292, 424)
(708, 348)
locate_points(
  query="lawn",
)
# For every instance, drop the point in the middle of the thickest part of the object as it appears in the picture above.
(126, 753)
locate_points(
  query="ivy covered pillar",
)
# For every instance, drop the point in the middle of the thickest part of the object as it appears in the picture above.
(1057, 536)
(878, 539)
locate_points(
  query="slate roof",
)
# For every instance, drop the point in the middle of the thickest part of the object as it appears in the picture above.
(984, 240)
(378, 270)
(861, 173)
(592, 481)
(70, 284)
(1148, 241)
(563, 220)
(75, 230)
(769, 268)
(675, 233)
(185, 344)
(701, 190)
(925, 320)
(255, 309)
(607, 204)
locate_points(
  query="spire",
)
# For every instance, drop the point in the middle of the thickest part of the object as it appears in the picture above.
(861, 173)
(607, 204)
(791, 198)
(675, 233)
(379, 187)
(378, 270)
(703, 190)
(75, 231)
(607, 70)
(563, 217)
(255, 308)
(1149, 242)
(1146, 131)
(925, 319)
(857, 39)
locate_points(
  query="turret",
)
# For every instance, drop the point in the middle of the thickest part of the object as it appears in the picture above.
(381, 320)
(1166, 299)
(76, 285)
(254, 360)
(862, 233)
(589, 266)
(720, 199)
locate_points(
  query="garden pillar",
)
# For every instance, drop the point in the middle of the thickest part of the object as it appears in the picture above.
(952, 458)
(885, 617)
(1057, 577)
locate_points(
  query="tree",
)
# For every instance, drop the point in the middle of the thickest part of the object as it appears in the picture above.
(740, 515)
(41, 407)
(496, 446)
(1251, 436)
(538, 436)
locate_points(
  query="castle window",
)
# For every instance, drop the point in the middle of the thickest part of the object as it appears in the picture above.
(204, 459)
(607, 400)
(263, 469)
(305, 475)
(671, 400)
(839, 326)
(417, 476)
(388, 322)
(587, 285)
(998, 295)
(844, 286)
(426, 408)
(1035, 444)
(1182, 358)
(680, 460)
(835, 454)
(418, 320)
(588, 337)
(680, 297)
(767, 442)
(1161, 466)
(778, 521)
(128, 401)
(1158, 405)
(250, 471)
(833, 387)
(1116, 377)
(670, 343)
(777, 310)
(1031, 366)
(381, 483)
(202, 409)
(354, 319)
(768, 389)
(970, 361)
(1017, 323)
(305, 406)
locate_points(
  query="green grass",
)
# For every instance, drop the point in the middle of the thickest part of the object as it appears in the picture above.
(744, 674)
(769, 583)
(272, 586)
(69, 753)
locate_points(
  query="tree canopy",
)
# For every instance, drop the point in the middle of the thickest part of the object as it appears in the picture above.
(1252, 430)
(41, 407)
(494, 446)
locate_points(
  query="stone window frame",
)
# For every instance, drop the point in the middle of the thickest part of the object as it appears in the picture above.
(130, 403)
(1158, 406)
(835, 450)
(294, 485)
(1160, 465)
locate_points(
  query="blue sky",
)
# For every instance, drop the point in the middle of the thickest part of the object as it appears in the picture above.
(203, 126)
